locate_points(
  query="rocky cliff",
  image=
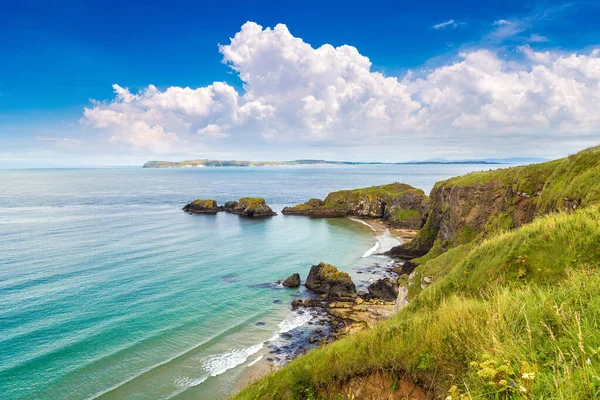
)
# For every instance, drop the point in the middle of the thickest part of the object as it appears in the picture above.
(400, 205)
(476, 205)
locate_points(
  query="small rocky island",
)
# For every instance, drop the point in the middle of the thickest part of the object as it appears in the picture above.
(253, 207)
(397, 204)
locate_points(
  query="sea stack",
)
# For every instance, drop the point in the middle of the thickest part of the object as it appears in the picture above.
(202, 207)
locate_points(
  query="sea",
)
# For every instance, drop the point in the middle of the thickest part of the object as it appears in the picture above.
(109, 290)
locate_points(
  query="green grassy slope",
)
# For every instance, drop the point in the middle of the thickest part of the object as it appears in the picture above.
(516, 316)
(478, 205)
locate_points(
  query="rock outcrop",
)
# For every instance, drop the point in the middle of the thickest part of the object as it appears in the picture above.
(250, 207)
(400, 205)
(254, 207)
(292, 281)
(202, 207)
(229, 206)
(479, 204)
(385, 289)
(328, 280)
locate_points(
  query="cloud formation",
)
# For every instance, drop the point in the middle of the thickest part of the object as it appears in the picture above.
(295, 93)
(447, 24)
(53, 139)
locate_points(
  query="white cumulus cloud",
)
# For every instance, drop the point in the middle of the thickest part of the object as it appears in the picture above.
(293, 92)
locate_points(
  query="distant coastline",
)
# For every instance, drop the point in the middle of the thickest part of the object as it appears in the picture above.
(235, 163)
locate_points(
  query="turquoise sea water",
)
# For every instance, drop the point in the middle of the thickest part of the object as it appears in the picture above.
(108, 289)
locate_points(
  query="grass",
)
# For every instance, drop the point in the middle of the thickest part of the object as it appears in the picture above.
(252, 202)
(516, 316)
(383, 192)
(405, 214)
(332, 273)
(204, 204)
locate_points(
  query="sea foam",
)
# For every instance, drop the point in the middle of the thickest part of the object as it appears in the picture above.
(220, 363)
(384, 243)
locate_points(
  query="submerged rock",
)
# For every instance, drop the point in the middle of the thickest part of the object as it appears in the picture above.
(385, 289)
(328, 280)
(292, 281)
(202, 207)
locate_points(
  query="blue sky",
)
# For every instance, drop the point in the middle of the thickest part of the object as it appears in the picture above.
(57, 56)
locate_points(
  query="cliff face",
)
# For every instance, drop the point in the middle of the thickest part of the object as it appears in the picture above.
(479, 204)
(400, 205)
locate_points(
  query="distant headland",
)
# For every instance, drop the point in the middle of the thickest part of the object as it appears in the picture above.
(235, 163)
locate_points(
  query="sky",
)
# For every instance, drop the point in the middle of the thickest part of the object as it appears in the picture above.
(108, 83)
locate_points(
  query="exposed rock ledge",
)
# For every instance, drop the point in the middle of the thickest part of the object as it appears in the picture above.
(341, 301)
(247, 207)
(397, 204)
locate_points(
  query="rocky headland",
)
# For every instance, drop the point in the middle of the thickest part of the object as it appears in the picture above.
(397, 205)
(253, 207)
(479, 205)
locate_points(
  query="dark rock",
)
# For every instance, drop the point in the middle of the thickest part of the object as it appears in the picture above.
(312, 303)
(292, 281)
(260, 323)
(202, 207)
(384, 289)
(276, 301)
(287, 335)
(230, 206)
(318, 330)
(325, 279)
(297, 303)
(312, 340)
(406, 268)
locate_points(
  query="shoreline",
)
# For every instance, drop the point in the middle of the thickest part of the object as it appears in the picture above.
(370, 312)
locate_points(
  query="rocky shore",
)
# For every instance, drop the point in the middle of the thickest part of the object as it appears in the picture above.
(336, 309)
(253, 207)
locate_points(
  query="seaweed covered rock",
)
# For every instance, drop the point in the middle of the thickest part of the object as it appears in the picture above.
(202, 207)
(250, 207)
(401, 205)
(328, 280)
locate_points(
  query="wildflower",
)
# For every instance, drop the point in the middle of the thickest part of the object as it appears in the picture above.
(588, 361)
(512, 384)
(523, 389)
(528, 375)
(502, 382)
